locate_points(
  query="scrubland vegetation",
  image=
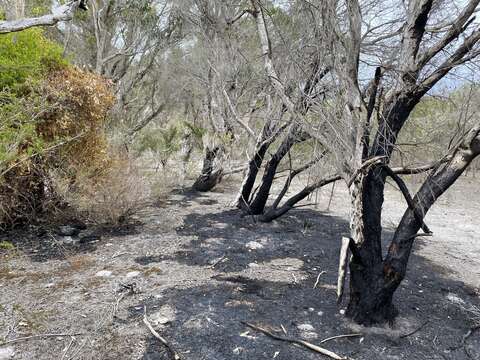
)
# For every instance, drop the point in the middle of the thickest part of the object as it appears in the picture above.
(116, 115)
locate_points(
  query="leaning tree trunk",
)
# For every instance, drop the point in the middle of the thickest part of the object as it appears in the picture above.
(294, 136)
(373, 279)
(275, 211)
(210, 176)
(263, 143)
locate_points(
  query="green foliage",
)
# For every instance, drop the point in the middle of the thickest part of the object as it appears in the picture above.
(429, 107)
(26, 55)
(6, 245)
(162, 142)
(18, 127)
(196, 131)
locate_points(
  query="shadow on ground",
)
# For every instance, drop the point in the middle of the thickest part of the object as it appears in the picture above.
(266, 274)
(42, 245)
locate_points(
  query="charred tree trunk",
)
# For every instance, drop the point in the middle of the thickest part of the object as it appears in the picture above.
(294, 136)
(370, 298)
(374, 280)
(210, 176)
(249, 180)
(266, 139)
(367, 303)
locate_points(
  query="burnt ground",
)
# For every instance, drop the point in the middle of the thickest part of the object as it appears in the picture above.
(200, 269)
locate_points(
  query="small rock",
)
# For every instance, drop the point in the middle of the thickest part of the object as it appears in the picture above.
(104, 273)
(320, 313)
(50, 285)
(165, 315)
(68, 240)
(162, 320)
(454, 298)
(253, 265)
(309, 335)
(342, 311)
(132, 274)
(311, 309)
(7, 353)
(253, 245)
(237, 350)
(305, 327)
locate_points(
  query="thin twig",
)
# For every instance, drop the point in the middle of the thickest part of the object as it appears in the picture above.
(465, 337)
(222, 259)
(339, 337)
(306, 344)
(157, 335)
(65, 351)
(117, 304)
(318, 278)
(120, 254)
(414, 331)
(29, 157)
(470, 332)
(36, 337)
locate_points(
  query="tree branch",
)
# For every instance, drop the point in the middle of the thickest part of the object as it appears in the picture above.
(273, 214)
(458, 26)
(441, 178)
(457, 58)
(60, 13)
(406, 194)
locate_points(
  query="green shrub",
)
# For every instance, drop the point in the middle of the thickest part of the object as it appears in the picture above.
(26, 55)
(6, 245)
(163, 143)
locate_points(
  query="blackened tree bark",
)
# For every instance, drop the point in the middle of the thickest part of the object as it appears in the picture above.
(373, 278)
(275, 211)
(373, 283)
(267, 137)
(294, 136)
(210, 176)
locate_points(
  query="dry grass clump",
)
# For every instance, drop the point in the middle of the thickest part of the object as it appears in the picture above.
(111, 196)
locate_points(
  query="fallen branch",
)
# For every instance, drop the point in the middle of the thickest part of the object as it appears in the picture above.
(36, 337)
(157, 335)
(273, 214)
(60, 13)
(306, 344)
(234, 171)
